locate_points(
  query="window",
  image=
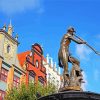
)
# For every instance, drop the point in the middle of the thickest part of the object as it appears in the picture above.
(53, 80)
(37, 63)
(57, 83)
(31, 76)
(8, 48)
(2, 94)
(3, 75)
(16, 81)
(41, 80)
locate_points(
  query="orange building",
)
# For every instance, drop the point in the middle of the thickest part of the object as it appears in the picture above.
(32, 62)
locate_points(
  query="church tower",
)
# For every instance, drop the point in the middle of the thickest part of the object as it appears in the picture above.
(8, 44)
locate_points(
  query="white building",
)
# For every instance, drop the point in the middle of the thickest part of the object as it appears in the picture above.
(52, 71)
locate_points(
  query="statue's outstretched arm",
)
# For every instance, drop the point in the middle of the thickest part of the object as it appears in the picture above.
(76, 40)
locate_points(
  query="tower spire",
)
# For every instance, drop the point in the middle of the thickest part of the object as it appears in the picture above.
(10, 23)
(10, 28)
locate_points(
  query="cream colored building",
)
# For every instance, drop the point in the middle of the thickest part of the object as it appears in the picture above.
(52, 71)
(11, 73)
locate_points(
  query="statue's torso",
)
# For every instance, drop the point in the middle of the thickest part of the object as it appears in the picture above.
(65, 41)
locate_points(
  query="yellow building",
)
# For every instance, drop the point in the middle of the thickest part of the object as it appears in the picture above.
(11, 73)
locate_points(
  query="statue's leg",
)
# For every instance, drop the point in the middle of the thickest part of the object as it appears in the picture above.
(65, 66)
(74, 60)
(60, 59)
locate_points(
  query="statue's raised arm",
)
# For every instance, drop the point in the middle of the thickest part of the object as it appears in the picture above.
(98, 53)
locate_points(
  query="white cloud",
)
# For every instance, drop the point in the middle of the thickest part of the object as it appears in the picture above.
(15, 6)
(96, 75)
(83, 86)
(83, 52)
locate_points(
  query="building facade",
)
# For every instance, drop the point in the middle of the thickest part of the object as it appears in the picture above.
(11, 73)
(28, 66)
(31, 61)
(53, 73)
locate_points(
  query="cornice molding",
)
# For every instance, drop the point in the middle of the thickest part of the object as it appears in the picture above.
(5, 33)
(1, 57)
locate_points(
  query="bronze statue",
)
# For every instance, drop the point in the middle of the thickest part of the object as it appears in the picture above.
(72, 80)
(64, 56)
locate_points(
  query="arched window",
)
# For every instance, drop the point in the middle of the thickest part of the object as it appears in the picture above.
(37, 63)
(8, 48)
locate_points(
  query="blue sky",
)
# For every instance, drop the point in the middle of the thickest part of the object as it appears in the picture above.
(46, 21)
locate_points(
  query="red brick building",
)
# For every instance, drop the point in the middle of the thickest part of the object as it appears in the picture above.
(32, 62)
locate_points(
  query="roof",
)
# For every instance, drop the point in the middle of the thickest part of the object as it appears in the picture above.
(22, 57)
(38, 48)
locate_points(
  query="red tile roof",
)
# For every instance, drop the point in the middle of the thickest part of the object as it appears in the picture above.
(22, 57)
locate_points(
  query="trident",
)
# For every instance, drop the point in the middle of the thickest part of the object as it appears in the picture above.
(98, 53)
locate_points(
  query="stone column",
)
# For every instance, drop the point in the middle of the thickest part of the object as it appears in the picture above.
(0, 63)
(10, 78)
